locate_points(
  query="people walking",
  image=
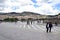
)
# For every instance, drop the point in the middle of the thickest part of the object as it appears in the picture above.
(56, 24)
(28, 22)
(31, 21)
(48, 27)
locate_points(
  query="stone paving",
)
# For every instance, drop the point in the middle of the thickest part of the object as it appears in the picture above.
(22, 31)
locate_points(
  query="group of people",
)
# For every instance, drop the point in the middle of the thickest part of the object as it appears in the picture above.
(29, 22)
(48, 27)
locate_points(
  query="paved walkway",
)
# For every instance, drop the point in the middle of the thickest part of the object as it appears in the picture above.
(21, 31)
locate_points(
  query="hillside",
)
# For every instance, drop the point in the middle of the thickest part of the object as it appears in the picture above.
(21, 14)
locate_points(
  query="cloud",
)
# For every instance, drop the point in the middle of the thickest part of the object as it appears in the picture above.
(36, 6)
(2, 5)
(46, 7)
(15, 7)
(2, 1)
(44, 0)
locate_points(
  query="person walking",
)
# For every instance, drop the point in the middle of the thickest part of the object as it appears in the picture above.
(56, 24)
(31, 21)
(48, 27)
(27, 22)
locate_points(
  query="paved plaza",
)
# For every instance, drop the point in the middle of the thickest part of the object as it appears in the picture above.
(22, 31)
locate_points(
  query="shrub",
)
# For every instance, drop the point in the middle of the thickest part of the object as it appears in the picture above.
(11, 19)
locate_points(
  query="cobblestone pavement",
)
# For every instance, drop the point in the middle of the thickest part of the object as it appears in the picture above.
(22, 31)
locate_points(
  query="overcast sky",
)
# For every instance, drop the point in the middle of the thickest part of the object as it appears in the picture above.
(50, 7)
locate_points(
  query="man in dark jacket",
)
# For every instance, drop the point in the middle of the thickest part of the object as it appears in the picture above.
(48, 27)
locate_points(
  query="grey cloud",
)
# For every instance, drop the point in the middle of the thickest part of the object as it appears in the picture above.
(1, 7)
(2, 1)
(44, 0)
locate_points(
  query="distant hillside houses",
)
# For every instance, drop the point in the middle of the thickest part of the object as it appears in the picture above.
(27, 15)
(23, 15)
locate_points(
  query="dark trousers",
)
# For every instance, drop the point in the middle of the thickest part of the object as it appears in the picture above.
(48, 29)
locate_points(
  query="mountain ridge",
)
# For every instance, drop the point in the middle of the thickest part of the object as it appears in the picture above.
(21, 14)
